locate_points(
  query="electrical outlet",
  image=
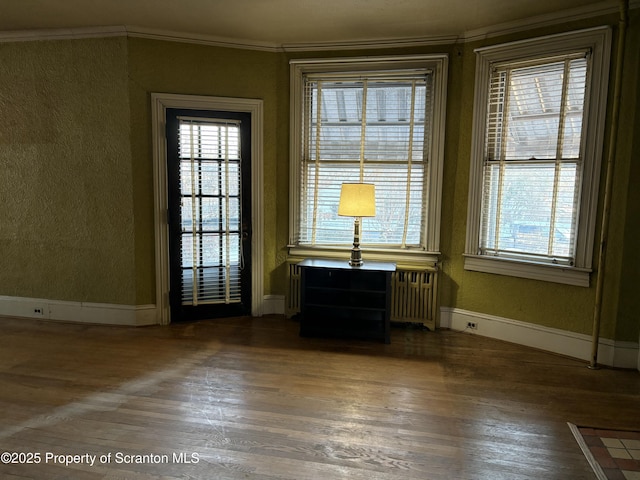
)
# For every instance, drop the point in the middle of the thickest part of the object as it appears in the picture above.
(472, 325)
(38, 312)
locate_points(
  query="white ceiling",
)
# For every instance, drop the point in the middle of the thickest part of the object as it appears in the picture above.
(279, 23)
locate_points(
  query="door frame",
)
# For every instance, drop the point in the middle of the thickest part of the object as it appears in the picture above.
(159, 104)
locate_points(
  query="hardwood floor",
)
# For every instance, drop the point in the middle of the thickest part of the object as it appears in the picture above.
(249, 399)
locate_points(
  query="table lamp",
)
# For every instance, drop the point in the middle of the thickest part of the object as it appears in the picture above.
(357, 200)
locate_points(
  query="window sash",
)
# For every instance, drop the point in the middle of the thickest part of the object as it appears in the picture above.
(533, 160)
(383, 143)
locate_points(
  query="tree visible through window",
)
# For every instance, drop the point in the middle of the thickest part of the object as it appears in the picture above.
(533, 159)
(539, 115)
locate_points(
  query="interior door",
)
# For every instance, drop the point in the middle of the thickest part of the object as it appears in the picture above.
(209, 215)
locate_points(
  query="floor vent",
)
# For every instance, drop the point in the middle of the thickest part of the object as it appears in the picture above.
(413, 297)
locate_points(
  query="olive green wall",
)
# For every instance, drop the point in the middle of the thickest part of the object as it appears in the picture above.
(77, 176)
(182, 68)
(628, 174)
(552, 305)
(548, 304)
(66, 223)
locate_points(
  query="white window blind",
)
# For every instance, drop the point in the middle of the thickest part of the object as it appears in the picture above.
(365, 127)
(533, 159)
(211, 247)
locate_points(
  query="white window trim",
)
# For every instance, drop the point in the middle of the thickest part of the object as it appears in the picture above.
(598, 40)
(438, 63)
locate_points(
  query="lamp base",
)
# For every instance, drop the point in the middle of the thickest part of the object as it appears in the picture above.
(356, 258)
(356, 254)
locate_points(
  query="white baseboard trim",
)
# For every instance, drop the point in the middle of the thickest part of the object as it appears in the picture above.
(611, 353)
(101, 313)
(79, 312)
(273, 304)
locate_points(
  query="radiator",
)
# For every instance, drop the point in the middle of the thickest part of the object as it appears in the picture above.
(293, 294)
(413, 295)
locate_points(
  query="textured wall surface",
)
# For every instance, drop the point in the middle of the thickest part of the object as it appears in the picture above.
(66, 224)
(628, 202)
(552, 305)
(76, 183)
(169, 67)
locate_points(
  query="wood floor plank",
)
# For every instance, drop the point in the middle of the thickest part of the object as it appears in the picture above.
(247, 398)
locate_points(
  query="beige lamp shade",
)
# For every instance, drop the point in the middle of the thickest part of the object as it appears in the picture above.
(357, 200)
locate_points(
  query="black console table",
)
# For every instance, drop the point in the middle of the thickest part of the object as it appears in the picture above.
(340, 300)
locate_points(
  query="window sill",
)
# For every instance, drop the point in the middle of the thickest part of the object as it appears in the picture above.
(414, 259)
(579, 277)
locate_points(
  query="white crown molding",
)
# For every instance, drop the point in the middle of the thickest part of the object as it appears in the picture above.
(210, 40)
(135, 32)
(62, 34)
(371, 44)
(580, 13)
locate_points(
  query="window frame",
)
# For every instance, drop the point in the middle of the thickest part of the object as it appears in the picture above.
(598, 42)
(438, 63)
